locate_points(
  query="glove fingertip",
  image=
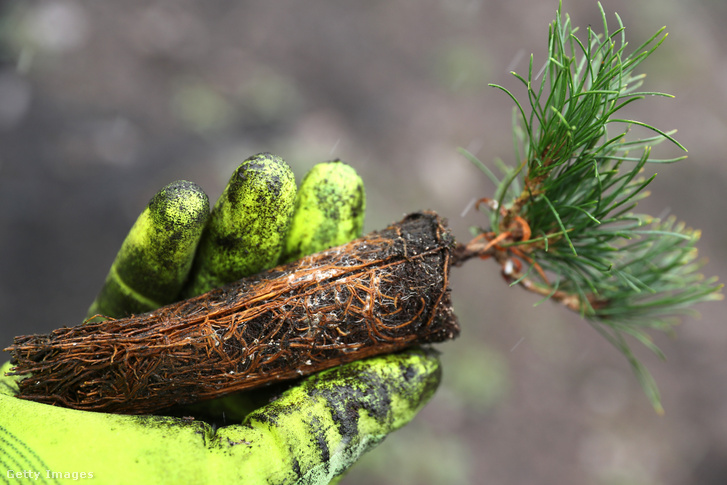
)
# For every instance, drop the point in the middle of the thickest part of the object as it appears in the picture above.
(247, 226)
(329, 210)
(335, 416)
(156, 256)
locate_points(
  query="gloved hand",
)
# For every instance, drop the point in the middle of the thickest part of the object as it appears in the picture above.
(311, 433)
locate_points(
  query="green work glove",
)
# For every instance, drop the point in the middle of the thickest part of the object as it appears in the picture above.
(310, 433)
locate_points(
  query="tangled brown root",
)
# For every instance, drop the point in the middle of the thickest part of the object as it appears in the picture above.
(378, 294)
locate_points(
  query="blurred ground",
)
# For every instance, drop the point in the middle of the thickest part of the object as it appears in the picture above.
(102, 103)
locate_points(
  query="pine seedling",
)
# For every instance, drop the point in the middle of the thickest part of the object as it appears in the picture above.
(567, 210)
(562, 224)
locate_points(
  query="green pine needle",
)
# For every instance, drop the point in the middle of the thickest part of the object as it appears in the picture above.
(577, 188)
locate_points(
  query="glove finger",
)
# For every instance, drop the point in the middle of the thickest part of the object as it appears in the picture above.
(247, 226)
(329, 210)
(152, 265)
(317, 430)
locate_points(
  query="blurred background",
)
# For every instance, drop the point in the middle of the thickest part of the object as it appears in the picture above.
(103, 103)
